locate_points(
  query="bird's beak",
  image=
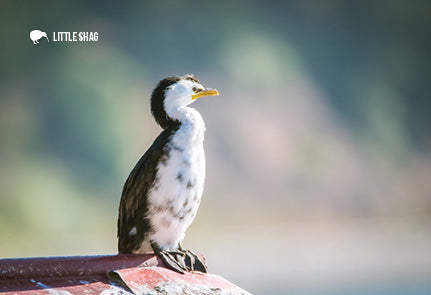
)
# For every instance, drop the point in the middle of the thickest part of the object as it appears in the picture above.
(206, 92)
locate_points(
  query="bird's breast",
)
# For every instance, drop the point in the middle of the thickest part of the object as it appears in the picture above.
(177, 190)
(182, 173)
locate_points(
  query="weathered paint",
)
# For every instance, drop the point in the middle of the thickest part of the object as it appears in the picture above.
(148, 280)
(116, 274)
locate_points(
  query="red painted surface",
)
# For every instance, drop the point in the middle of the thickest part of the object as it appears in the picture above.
(101, 274)
(140, 279)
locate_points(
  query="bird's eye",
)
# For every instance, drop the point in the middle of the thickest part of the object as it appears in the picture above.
(195, 89)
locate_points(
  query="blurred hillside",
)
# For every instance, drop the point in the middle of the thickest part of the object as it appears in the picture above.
(321, 132)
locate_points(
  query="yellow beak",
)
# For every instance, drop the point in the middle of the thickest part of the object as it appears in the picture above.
(206, 92)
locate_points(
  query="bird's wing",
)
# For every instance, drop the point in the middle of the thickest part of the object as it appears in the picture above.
(133, 205)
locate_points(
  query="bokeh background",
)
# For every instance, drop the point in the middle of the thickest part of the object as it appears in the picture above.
(318, 148)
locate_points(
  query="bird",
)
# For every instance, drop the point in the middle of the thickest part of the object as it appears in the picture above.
(163, 191)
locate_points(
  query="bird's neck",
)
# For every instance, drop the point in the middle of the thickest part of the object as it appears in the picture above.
(188, 117)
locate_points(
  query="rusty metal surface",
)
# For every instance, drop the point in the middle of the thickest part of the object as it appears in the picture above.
(67, 274)
(115, 274)
(158, 280)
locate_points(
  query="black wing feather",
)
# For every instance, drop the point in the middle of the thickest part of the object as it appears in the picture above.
(133, 209)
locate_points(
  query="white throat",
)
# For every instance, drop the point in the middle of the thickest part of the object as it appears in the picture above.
(187, 116)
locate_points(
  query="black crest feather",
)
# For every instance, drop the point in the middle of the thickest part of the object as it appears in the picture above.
(157, 103)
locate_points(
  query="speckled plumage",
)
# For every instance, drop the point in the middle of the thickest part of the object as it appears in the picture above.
(162, 193)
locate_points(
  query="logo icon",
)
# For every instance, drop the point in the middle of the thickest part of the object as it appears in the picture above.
(35, 35)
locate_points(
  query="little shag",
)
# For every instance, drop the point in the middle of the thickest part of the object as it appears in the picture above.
(162, 193)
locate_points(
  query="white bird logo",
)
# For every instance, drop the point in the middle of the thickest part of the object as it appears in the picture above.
(35, 35)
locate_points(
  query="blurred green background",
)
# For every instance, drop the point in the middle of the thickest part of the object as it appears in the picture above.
(318, 148)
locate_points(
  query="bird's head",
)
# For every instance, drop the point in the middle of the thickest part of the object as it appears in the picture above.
(173, 93)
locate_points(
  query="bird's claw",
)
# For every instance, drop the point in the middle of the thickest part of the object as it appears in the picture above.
(181, 260)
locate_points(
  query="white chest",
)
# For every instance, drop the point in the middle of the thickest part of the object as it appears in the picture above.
(175, 197)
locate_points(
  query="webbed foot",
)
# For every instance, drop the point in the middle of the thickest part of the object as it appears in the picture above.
(180, 260)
